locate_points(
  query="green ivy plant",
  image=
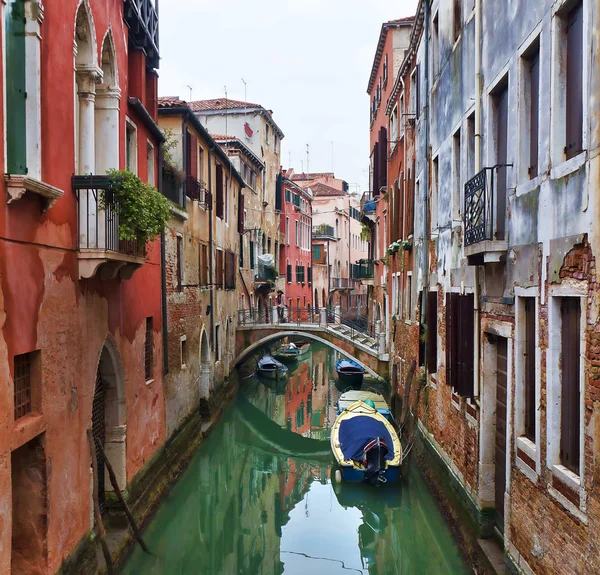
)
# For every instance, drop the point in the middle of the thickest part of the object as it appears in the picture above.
(143, 211)
(365, 232)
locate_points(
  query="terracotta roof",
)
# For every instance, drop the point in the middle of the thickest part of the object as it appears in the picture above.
(221, 104)
(311, 176)
(319, 189)
(223, 137)
(382, 37)
(170, 102)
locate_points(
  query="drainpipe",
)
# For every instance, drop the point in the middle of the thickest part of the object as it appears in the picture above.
(426, 179)
(477, 289)
(210, 255)
(163, 278)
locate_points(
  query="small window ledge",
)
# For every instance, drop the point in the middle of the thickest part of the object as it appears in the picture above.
(18, 184)
(565, 488)
(178, 211)
(569, 166)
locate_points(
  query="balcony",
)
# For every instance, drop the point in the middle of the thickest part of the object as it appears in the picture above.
(323, 232)
(196, 191)
(485, 216)
(172, 185)
(141, 18)
(341, 284)
(100, 250)
(362, 270)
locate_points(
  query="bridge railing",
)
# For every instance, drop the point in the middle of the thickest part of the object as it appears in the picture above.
(357, 324)
(279, 316)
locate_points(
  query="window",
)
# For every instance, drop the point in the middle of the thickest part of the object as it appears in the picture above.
(529, 111)
(131, 146)
(529, 371)
(408, 297)
(309, 272)
(297, 236)
(289, 272)
(394, 128)
(219, 192)
(200, 163)
(203, 264)
(287, 231)
(183, 350)
(385, 70)
(570, 413)
(217, 343)
(436, 45)
(179, 263)
(500, 119)
(241, 250)
(241, 213)
(24, 374)
(574, 81)
(471, 146)
(219, 269)
(151, 163)
(299, 273)
(267, 133)
(288, 195)
(416, 83)
(149, 350)
(460, 343)
(229, 270)
(275, 143)
(317, 253)
(456, 181)
(457, 18)
(226, 199)
(432, 329)
(251, 254)
(435, 183)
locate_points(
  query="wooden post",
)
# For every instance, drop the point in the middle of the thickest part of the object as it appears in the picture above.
(406, 396)
(113, 481)
(97, 514)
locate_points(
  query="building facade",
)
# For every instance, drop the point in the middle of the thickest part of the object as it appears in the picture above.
(505, 166)
(81, 322)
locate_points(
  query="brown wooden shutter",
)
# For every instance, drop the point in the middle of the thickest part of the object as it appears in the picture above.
(383, 155)
(410, 203)
(432, 304)
(193, 156)
(219, 191)
(534, 98)
(570, 373)
(422, 334)
(219, 270)
(400, 207)
(241, 215)
(179, 263)
(451, 309)
(466, 348)
(376, 167)
(574, 104)
(530, 368)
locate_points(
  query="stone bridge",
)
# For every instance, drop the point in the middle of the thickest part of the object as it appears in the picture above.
(350, 342)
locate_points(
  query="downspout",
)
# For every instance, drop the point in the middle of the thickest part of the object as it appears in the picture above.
(163, 278)
(477, 289)
(425, 181)
(210, 255)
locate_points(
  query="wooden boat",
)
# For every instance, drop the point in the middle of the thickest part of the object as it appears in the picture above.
(287, 353)
(366, 445)
(303, 347)
(350, 372)
(351, 396)
(270, 368)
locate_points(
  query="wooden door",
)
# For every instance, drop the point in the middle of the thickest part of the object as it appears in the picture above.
(500, 451)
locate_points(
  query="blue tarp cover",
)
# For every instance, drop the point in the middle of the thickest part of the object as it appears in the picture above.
(357, 431)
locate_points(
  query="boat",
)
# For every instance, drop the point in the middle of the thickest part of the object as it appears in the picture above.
(350, 396)
(350, 372)
(270, 368)
(365, 445)
(303, 347)
(287, 353)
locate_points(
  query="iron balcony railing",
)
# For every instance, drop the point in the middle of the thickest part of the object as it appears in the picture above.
(323, 231)
(141, 18)
(98, 217)
(196, 190)
(362, 270)
(341, 283)
(485, 205)
(266, 274)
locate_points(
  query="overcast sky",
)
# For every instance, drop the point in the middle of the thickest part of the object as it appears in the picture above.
(307, 60)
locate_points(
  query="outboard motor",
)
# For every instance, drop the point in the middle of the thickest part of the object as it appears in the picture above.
(374, 454)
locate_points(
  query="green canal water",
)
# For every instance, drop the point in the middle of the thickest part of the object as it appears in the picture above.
(257, 498)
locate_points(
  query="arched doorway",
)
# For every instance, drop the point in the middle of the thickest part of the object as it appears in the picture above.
(109, 419)
(205, 387)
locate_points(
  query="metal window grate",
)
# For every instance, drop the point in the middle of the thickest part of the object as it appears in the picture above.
(22, 385)
(148, 350)
(99, 435)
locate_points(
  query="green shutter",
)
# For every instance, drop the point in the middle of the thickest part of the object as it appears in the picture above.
(251, 255)
(16, 95)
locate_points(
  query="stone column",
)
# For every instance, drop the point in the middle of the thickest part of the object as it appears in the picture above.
(323, 318)
(274, 314)
(338, 314)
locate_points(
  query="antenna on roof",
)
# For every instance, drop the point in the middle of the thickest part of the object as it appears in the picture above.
(245, 96)
(226, 132)
(307, 159)
(302, 165)
(190, 88)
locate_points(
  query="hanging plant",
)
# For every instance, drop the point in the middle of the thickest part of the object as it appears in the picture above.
(365, 232)
(407, 245)
(143, 211)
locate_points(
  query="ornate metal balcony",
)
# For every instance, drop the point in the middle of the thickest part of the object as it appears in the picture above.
(142, 19)
(323, 232)
(100, 250)
(196, 190)
(362, 270)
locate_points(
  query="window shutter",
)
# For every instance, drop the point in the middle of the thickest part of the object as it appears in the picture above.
(383, 154)
(289, 273)
(309, 274)
(534, 75)
(432, 301)
(251, 255)
(241, 213)
(451, 339)
(219, 191)
(376, 165)
(465, 345)
(278, 193)
(421, 333)
(241, 251)
(16, 95)
(574, 104)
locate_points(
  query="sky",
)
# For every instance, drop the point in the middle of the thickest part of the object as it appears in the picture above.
(307, 60)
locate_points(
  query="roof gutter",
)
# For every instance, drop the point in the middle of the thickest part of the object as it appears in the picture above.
(150, 124)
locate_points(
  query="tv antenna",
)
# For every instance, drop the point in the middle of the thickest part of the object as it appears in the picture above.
(190, 89)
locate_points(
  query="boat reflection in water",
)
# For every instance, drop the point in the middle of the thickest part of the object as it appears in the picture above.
(257, 499)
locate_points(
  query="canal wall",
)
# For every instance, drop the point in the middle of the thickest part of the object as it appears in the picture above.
(151, 484)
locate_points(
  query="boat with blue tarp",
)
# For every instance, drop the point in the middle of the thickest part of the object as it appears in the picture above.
(366, 445)
(270, 368)
(350, 372)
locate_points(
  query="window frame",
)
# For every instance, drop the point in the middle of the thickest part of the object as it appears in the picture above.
(131, 145)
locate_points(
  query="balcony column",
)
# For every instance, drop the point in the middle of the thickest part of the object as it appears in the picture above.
(275, 314)
(338, 314)
(323, 318)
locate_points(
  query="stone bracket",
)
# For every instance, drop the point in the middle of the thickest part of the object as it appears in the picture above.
(18, 184)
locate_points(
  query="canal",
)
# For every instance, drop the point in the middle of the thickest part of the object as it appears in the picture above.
(257, 499)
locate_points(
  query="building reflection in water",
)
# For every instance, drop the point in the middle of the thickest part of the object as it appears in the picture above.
(256, 498)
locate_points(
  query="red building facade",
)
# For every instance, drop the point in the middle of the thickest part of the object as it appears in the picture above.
(81, 317)
(295, 261)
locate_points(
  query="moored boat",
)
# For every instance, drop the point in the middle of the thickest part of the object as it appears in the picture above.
(270, 368)
(366, 445)
(303, 347)
(351, 396)
(350, 372)
(287, 353)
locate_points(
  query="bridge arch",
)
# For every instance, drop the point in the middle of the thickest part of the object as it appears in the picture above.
(281, 334)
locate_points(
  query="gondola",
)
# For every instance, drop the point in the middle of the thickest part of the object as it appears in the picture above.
(366, 445)
(270, 368)
(349, 372)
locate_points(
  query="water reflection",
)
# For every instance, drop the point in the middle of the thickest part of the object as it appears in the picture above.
(256, 498)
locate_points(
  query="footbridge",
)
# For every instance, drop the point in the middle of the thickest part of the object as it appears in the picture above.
(355, 339)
